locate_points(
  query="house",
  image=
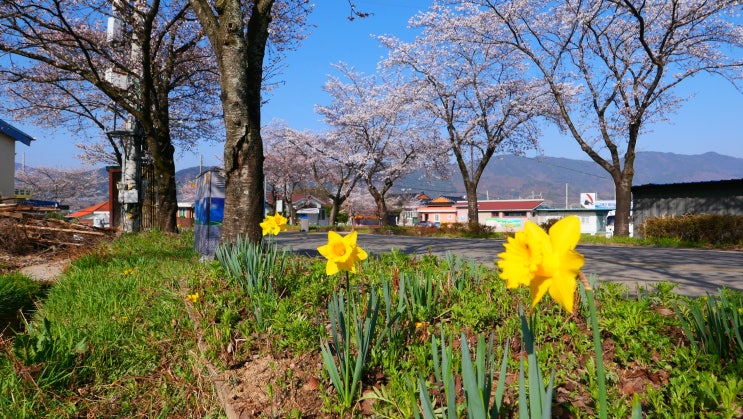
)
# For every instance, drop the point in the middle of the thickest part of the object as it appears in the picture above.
(9, 135)
(592, 220)
(722, 197)
(504, 215)
(311, 208)
(406, 207)
(185, 216)
(440, 210)
(97, 215)
(304, 206)
(592, 213)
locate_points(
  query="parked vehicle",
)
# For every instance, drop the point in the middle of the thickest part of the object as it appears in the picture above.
(426, 224)
(610, 224)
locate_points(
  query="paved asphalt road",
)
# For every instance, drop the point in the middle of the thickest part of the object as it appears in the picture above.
(696, 271)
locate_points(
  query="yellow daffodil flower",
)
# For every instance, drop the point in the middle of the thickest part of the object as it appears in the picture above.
(341, 252)
(273, 224)
(193, 298)
(544, 262)
(128, 271)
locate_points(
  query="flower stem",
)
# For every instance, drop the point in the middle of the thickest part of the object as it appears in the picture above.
(601, 377)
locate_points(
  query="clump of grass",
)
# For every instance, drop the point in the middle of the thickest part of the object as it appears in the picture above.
(18, 292)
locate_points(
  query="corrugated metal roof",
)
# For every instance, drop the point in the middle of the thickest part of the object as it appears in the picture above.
(711, 183)
(15, 133)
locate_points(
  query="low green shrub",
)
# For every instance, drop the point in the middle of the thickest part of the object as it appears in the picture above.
(708, 229)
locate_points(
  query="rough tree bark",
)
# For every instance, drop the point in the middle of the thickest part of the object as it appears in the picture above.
(240, 52)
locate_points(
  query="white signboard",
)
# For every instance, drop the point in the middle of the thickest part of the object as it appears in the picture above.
(588, 200)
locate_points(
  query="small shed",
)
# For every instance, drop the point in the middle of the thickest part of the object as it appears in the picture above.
(311, 208)
(721, 197)
(185, 215)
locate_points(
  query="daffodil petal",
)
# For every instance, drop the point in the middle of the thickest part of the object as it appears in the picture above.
(331, 268)
(565, 234)
(361, 253)
(325, 250)
(538, 287)
(562, 289)
(572, 261)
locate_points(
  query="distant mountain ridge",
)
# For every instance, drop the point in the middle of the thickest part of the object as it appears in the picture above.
(550, 178)
(509, 176)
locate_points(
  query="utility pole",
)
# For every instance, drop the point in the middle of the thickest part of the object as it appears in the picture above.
(130, 196)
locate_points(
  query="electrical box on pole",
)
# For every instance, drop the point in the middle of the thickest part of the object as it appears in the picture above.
(113, 30)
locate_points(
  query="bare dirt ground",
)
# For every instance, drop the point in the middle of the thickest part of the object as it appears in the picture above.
(41, 247)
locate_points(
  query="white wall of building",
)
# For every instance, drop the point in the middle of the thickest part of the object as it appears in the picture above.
(7, 166)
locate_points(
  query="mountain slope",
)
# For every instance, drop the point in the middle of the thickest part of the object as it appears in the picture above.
(508, 176)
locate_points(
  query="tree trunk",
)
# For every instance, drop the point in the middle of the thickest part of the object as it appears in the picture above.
(162, 151)
(473, 219)
(334, 212)
(381, 205)
(623, 211)
(241, 67)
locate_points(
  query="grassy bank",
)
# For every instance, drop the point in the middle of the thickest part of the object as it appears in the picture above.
(18, 293)
(114, 338)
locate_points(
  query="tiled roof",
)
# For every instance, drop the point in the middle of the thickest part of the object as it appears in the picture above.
(446, 200)
(506, 205)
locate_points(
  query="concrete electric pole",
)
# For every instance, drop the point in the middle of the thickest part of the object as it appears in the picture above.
(130, 190)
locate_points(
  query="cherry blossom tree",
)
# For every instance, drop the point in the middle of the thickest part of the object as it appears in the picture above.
(477, 94)
(54, 184)
(286, 166)
(64, 69)
(375, 117)
(325, 163)
(333, 172)
(612, 66)
(359, 202)
(242, 33)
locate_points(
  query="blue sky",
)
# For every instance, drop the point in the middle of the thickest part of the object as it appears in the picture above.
(710, 121)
